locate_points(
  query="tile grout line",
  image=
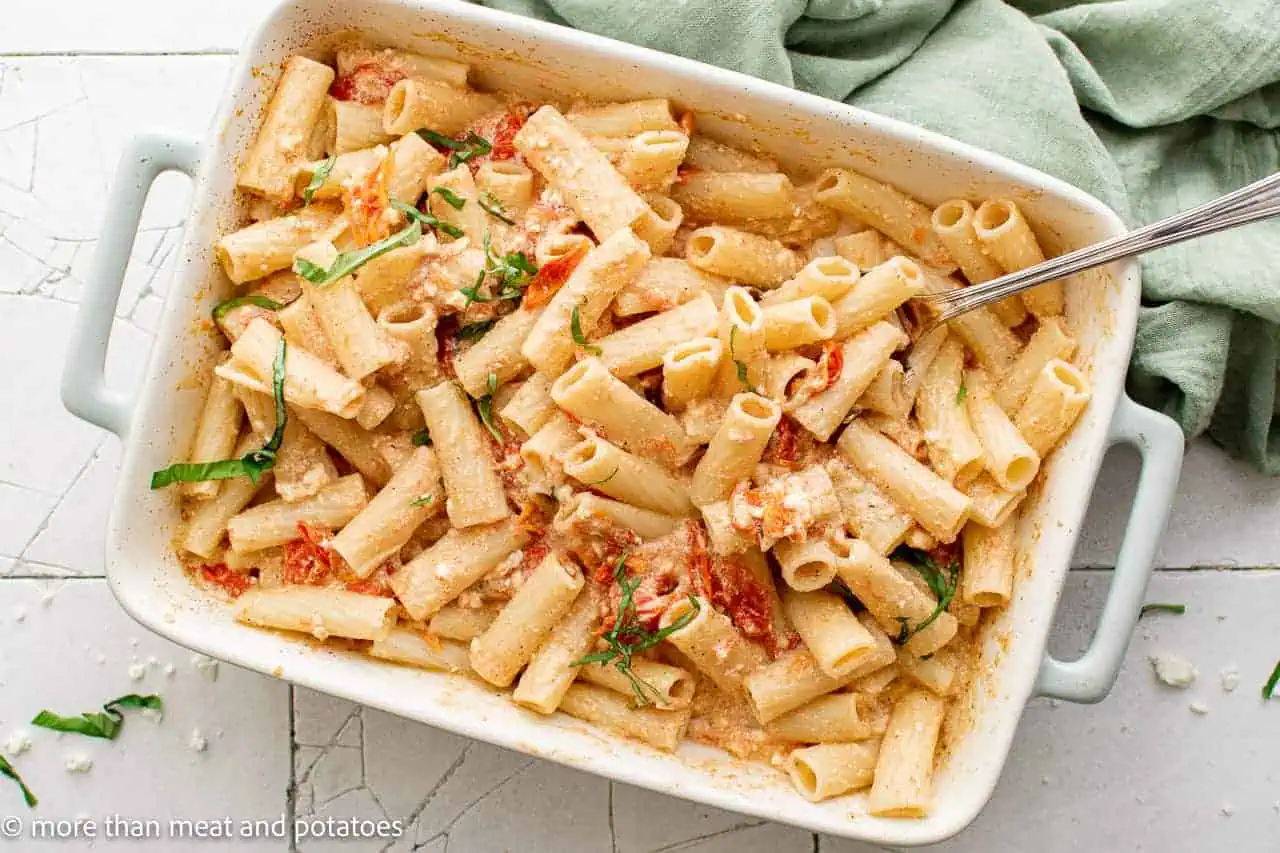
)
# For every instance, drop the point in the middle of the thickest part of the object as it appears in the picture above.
(75, 481)
(291, 792)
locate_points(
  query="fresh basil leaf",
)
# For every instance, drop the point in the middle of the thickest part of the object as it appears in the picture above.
(254, 463)
(427, 220)
(348, 262)
(575, 329)
(196, 472)
(942, 587)
(135, 700)
(422, 501)
(739, 365)
(512, 270)
(103, 724)
(463, 149)
(603, 656)
(318, 177)
(220, 310)
(961, 393)
(1177, 609)
(7, 769)
(277, 390)
(451, 198)
(422, 438)
(475, 331)
(628, 636)
(484, 409)
(662, 633)
(1270, 686)
(494, 208)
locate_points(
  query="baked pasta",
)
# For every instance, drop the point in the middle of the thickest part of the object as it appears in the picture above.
(572, 399)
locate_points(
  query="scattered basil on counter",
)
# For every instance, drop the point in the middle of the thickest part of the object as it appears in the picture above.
(1270, 686)
(1157, 607)
(103, 724)
(6, 769)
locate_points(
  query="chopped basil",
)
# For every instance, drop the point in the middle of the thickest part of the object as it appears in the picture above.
(195, 472)
(575, 329)
(348, 262)
(426, 219)
(463, 149)
(961, 393)
(451, 198)
(740, 365)
(1177, 609)
(253, 464)
(493, 207)
(101, 724)
(1270, 686)
(628, 636)
(513, 271)
(943, 588)
(422, 438)
(318, 177)
(484, 408)
(422, 501)
(6, 769)
(220, 310)
(475, 331)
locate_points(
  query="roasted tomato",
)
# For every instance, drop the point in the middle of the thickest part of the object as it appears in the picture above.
(369, 83)
(233, 583)
(551, 276)
(306, 559)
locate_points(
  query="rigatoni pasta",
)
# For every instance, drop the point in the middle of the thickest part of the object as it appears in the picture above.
(641, 425)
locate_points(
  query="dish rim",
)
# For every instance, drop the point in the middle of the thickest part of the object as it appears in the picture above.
(899, 132)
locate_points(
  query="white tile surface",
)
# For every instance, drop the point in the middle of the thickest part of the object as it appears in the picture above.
(76, 629)
(128, 26)
(1140, 771)
(1161, 774)
(1225, 514)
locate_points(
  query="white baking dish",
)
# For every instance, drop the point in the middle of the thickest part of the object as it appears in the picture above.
(527, 56)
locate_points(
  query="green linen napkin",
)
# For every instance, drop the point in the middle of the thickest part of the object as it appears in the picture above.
(1151, 105)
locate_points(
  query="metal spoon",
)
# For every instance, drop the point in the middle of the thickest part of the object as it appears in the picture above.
(1260, 200)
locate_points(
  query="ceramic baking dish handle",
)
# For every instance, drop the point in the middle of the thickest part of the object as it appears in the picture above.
(84, 387)
(1159, 440)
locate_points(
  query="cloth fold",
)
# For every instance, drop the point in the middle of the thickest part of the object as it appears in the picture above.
(1153, 106)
